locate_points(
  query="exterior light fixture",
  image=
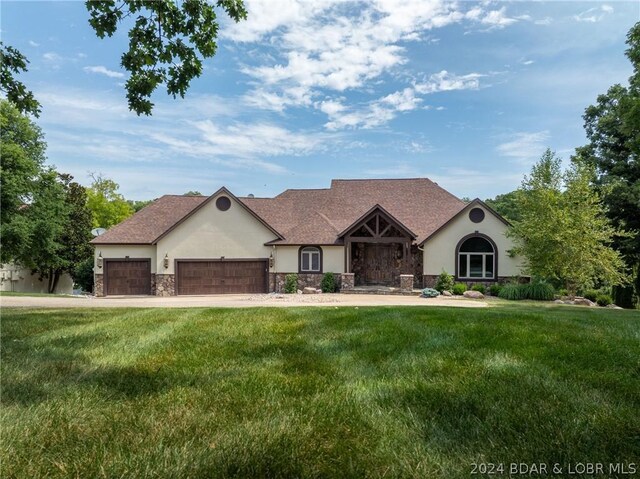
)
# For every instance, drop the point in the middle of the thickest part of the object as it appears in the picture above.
(99, 261)
(271, 260)
(166, 261)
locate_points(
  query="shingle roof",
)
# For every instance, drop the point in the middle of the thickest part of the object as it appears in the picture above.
(318, 216)
(151, 221)
(314, 216)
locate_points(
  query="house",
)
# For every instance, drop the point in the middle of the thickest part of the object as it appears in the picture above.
(394, 232)
(18, 279)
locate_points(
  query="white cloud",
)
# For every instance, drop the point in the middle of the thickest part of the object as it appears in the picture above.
(328, 46)
(102, 70)
(594, 14)
(524, 146)
(445, 81)
(33, 44)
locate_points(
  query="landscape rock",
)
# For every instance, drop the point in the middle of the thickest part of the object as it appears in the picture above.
(309, 291)
(473, 295)
(299, 291)
(613, 306)
(583, 302)
(558, 301)
(568, 301)
(446, 293)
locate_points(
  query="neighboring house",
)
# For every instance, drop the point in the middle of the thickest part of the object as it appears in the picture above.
(401, 232)
(17, 279)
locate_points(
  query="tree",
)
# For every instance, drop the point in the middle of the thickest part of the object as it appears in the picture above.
(506, 205)
(108, 207)
(137, 205)
(22, 155)
(563, 232)
(167, 43)
(192, 193)
(612, 126)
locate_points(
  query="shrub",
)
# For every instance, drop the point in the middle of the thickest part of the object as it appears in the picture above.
(539, 291)
(495, 289)
(591, 295)
(83, 274)
(430, 293)
(479, 287)
(444, 282)
(291, 283)
(513, 291)
(563, 292)
(603, 300)
(328, 283)
(459, 288)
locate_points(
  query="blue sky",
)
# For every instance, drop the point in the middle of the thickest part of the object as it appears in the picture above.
(468, 94)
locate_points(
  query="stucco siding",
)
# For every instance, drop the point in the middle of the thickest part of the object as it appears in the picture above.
(212, 233)
(286, 259)
(20, 280)
(122, 251)
(439, 250)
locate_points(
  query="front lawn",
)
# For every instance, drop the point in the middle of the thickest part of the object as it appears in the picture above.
(316, 392)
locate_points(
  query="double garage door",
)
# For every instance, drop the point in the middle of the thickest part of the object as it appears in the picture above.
(221, 277)
(133, 277)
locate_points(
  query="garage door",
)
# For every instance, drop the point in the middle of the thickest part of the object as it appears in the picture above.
(126, 277)
(221, 277)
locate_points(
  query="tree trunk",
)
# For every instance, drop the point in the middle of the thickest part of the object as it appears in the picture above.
(54, 277)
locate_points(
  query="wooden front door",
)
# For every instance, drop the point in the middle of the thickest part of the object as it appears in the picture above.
(221, 277)
(128, 277)
(379, 263)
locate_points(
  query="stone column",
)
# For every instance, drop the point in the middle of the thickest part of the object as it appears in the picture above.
(165, 285)
(98, 284)
(406, 283)
(348, 280)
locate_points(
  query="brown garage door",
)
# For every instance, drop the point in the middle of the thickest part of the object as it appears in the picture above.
(221, 277)
(128, 277)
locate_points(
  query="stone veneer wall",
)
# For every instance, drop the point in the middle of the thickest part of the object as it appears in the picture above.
(165, 285)
(305, 280)
(98, 284)
(429, 281)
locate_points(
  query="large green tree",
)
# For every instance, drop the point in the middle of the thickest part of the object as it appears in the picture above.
(108, 207)
(612, 125)
(168, 39)
(506, 205)
(22, 155)
(563, 232)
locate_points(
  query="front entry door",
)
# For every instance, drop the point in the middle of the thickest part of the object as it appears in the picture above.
(378, 263)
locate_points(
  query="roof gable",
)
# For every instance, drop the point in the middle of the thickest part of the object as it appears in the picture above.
(468, 207)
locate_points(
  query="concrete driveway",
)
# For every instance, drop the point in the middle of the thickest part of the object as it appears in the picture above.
(234, 301)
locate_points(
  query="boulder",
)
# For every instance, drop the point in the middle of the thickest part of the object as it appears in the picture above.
(473, 295)
(558, 301)
(613, 306)
(446, 293)
(299, 291)
(309, 291)
(583, 302)
(568, 301)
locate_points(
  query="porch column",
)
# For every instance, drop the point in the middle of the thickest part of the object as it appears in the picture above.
(347, 281)
(406, 283)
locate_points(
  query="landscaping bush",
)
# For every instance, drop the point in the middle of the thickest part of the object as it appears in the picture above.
(563, 292)
(328, 283)
(479, 287)
(513, 291)
(83, 275)
(430, 293)
(444, 282)
(459, 288)
(591, 295)
(603, 300)
(495, 289)
(539, 291)
(291, 283)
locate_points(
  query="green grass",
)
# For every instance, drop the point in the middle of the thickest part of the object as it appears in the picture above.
(49, 295)
(315, 392)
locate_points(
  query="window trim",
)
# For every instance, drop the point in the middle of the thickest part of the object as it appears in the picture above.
(494, 277)
(300, 251)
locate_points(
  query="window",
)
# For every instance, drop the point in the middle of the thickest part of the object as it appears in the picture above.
(310, 260)
(476, 258)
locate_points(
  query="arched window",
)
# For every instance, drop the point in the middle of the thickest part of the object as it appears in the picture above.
(476, 256)
(310, 259)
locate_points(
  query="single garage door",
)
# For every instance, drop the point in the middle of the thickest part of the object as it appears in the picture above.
(221, 277)
(126, 277)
